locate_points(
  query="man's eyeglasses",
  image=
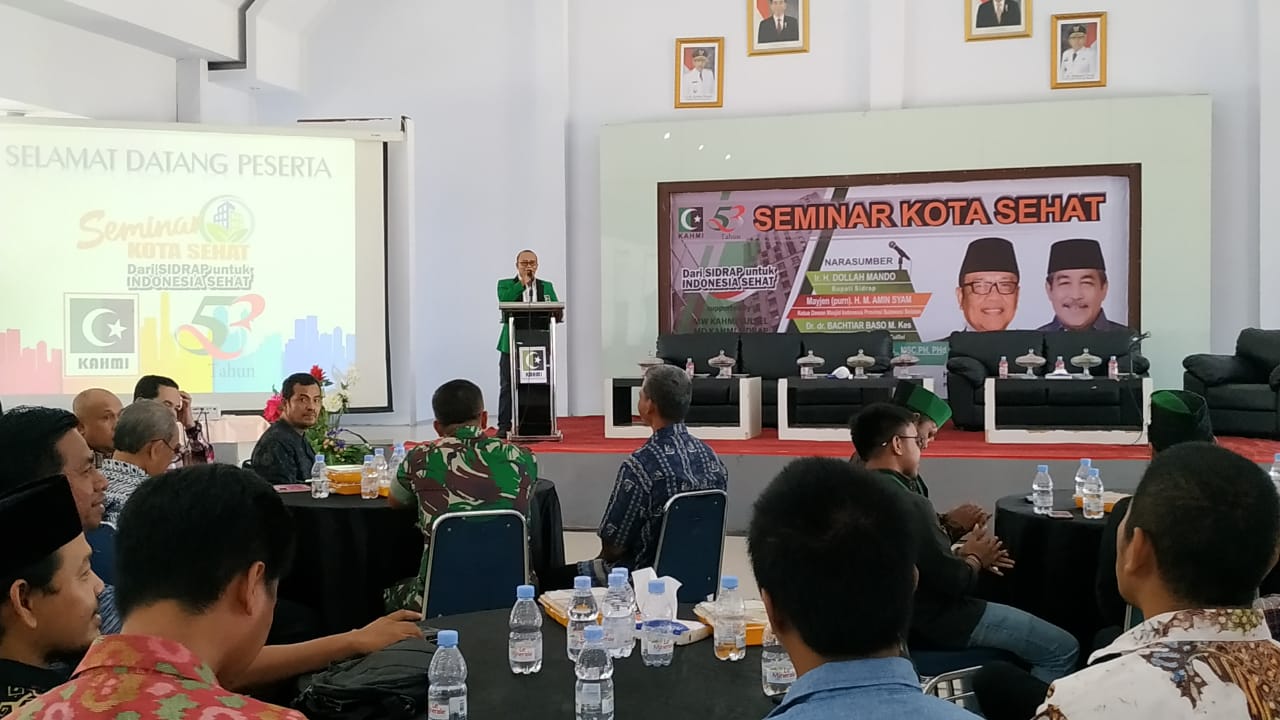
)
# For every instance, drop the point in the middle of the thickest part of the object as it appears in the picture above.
(981, 287)
(176, 451)
(528, 263)
(920, 439)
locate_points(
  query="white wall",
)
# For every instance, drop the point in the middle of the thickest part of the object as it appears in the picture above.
(56, 66)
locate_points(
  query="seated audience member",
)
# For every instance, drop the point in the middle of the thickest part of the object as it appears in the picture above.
(832, 550)
(1198, 538)
(931, 413)
(97, 410)
(146, 441)
(947, 615)
(49, 608)
(670, 462)
(196, 450)
(463, 470)
(283, 454)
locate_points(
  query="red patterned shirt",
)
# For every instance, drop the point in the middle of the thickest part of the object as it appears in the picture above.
(142, 677)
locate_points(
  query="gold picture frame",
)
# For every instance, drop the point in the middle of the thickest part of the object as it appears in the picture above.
(982, 23)
(1082, 66)
(695, 83)
(790, 34)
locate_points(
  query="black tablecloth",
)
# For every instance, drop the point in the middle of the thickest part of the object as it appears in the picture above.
(350, 549)
(695, 685)
(1057, 564)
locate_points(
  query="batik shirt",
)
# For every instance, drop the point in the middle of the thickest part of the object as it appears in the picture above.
(1219, 663)
(464, 472)
(122, 479)
(670, 462)
(283, 455)
(138, 677)
(20, 682)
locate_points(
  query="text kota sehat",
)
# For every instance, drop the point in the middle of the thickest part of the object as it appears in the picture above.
(1178, 416)
(916, 398)
(35, 520)
(1076, 254)
(989, 254)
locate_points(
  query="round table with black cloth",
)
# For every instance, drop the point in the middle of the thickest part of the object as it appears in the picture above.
(1057, 564)
(695, 685)
(349, 549)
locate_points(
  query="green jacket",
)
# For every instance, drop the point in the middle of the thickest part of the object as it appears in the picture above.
(511, 290)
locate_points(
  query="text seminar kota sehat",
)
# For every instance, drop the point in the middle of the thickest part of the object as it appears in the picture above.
(1076, 254)
(35, 520)
(989, 254)
(916, 398)
(1178, 416)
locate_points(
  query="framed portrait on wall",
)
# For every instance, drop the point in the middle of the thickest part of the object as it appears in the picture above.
(699, 72)
(777, 26)
(997, 19)
(1079, 55)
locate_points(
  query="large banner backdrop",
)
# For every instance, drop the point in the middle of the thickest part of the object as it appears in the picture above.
(919, 255)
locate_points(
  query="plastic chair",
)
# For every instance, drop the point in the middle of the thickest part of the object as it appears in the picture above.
(691, 545)
(1132, 617)
(475, 561)
(102, 540)
(938, 663)
(955, 687)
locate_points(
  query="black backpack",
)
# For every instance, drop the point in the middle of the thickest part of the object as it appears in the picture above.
(390, 684)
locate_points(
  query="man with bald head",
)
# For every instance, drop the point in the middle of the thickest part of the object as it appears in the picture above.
(96, 411)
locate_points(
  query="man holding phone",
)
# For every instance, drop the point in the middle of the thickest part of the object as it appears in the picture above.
(195, 449)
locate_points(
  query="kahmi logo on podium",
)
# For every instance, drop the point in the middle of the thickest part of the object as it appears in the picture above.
(533, 365)
(101, 335)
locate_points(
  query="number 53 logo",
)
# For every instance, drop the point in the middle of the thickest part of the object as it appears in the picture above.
(213, 330)
(727, 218)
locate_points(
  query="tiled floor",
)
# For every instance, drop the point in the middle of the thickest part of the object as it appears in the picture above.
(583, 545)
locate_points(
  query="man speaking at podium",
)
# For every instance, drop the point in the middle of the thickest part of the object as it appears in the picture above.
(524, 287)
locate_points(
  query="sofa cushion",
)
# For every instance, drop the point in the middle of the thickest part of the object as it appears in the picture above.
(1215, 370)
(1242, 397)
(770, 355)
(1103, 344)
(676, 349)
(987, 347)
(1261, 348)
(835, 348)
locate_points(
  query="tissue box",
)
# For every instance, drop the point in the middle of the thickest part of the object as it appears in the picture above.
(756, 619)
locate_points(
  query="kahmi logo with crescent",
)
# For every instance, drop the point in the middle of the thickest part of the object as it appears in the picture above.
(689, 220)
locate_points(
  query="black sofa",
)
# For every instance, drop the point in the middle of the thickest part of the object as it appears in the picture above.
(975, 356)
(771, 356)
(1242, 390)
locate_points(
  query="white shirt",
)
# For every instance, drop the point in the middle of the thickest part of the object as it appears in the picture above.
(528, 293)
(1190, 664)
(698, 85)
(998, 7)
(1079, 64)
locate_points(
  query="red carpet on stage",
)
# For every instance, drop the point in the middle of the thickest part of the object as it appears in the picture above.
(586, 435)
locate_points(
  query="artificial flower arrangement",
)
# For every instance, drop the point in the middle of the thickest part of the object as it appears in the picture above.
(327, 436)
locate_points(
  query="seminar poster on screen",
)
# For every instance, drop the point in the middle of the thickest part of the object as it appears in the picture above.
(915, 259)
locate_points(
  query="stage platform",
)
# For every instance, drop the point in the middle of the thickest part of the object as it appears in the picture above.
(959, 466)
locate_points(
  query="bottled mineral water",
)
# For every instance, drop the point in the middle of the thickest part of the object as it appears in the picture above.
(593, 691)
(583, 613)
(1275, 471)
(619, 618)
(1082, 474)
(319, 478)
(1042, 491)
(730, 630)
(368, 479)
(776, 671)
(1004, 367)
(1093, 505)
(688, 367)
(397, 459)
(657, 635)
(447, 680)
(524, 647)
(383, 470)
(1113, 368)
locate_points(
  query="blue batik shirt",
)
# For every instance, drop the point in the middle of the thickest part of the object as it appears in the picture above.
(670, 462)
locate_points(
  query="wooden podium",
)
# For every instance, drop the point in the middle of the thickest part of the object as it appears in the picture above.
(531, 326)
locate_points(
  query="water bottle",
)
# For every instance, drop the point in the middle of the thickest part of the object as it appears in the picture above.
(1275, 471)
(524, 647)
(657, 636)
(1113, 368)
(629, 600)
(447, 680)
(1082, 474)
(368, 479)
(383, 470)
(1004, 367)
(619, 618)
(1059, 366)
(319, 478)
(1093, 506)
(593, 692)
(776, 671)
(688, 367)
(730, 630)
(583, 613)
(397, 459)
(1042, 491)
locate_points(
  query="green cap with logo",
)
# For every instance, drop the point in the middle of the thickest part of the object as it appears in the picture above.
(914, 397)
(1178, 416)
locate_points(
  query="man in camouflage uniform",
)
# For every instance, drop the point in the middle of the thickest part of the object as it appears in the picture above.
(461, 471)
